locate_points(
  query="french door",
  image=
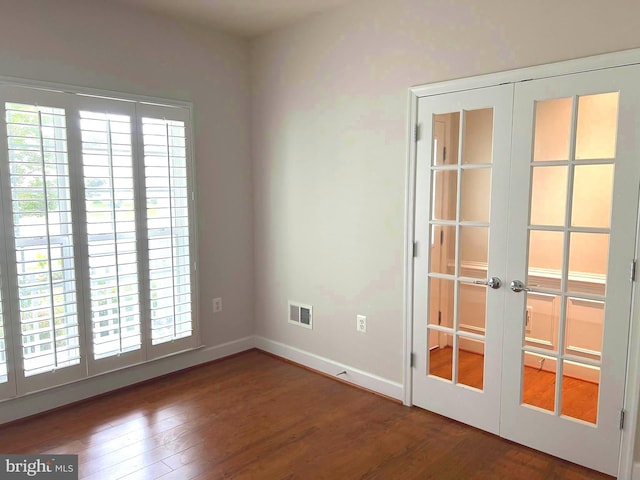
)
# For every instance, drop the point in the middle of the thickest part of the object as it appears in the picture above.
(461, 191)
(538, 357)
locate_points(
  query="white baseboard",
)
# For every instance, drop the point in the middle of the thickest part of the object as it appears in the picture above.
(230, 348)
(357, 377)
(34, 403)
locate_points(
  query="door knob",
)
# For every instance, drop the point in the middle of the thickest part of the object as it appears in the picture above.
(493, 282)
(518, 286)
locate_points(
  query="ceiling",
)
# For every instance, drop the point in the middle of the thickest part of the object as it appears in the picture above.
(246, 18)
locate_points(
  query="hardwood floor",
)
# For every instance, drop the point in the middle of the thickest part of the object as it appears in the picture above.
(254, 416)
(579, 397)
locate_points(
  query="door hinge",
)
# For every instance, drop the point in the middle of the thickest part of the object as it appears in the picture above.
(439, 318)
(416, 132)
(415, 249)
(441, 237)
(622, 419)
(632, 271)
(412, 359)
(444, 154)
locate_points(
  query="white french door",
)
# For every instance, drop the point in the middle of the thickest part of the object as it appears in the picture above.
(572, 233)
(461, 226)
(542, 359)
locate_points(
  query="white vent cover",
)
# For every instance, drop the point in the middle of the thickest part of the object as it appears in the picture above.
(300, 314)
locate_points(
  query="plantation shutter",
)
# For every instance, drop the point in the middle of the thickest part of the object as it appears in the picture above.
(3, 350)
(36, 175)
(111, 231)
(169, 240)
(7, 383)
(97, 259)
(7, 380)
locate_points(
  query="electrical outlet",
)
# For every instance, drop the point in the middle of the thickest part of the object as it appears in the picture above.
(217, 305)
(361, 323)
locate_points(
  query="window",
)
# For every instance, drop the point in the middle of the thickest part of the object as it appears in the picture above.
(99, 260)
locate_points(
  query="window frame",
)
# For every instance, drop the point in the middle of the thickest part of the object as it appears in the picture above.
(73, 100)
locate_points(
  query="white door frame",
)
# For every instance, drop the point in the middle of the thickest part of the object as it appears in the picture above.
(632, 388)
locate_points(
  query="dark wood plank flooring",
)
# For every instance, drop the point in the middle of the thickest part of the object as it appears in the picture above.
(579, 397)
(254, 416)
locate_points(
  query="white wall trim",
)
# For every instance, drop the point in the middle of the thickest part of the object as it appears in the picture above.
(409, 236)
(585, 64)
(627, 467)
(357, 377)
(34, 403)
(229, 348)
(94, 92)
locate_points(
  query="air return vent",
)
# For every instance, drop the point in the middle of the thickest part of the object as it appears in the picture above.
(300, 314)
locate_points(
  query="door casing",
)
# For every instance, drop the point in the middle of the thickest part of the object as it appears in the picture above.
(632, 387)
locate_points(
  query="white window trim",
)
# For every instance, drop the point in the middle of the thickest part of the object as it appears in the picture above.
(95, 92)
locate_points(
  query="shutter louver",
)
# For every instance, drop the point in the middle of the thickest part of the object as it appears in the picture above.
(167, 229)
(3, 349)
(111, 233)
(42, 224)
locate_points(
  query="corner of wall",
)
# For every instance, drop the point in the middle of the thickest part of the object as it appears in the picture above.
(331, 368)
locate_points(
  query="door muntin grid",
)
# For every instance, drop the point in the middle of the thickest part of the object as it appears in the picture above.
(571, 192)
(459, 230)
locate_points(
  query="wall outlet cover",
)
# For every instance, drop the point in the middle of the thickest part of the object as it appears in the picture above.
(361, 323)
(217, 305)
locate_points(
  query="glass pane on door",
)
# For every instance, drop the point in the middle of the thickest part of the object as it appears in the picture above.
(552, 130)
(461, 175)
(569, 230)
(597, 126)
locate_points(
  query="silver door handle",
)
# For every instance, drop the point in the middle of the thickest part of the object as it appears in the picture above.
(518, 286)
(493, 282)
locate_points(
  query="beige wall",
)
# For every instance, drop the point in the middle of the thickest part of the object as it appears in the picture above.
(100, 44)
(329, 109)
(329, 141)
